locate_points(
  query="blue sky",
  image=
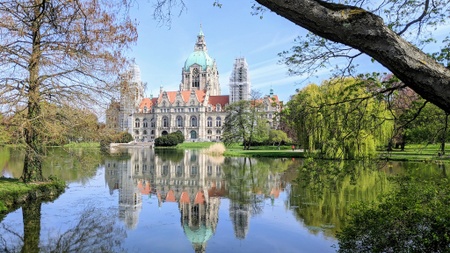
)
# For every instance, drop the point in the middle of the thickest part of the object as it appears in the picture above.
(230, 32)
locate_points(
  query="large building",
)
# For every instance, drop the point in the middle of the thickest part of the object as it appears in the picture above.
(197, 109)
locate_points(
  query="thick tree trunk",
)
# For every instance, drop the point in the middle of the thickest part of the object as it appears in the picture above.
(32, 169)
(366, 32)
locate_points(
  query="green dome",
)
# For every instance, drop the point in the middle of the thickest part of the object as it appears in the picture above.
(198, 236)
(198, 57)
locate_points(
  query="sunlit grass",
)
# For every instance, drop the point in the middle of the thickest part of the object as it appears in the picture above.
(194, 145)
(418, 152)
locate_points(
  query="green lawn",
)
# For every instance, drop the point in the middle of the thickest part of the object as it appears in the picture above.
(417, 152)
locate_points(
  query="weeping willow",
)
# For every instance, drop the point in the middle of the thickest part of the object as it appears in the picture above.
(340, 119)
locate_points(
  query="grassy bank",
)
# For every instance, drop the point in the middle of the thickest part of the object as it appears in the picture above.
(13, 192)
(417, 152)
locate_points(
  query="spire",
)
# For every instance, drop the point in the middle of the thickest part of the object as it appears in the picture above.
(200, 45)
(201, 31)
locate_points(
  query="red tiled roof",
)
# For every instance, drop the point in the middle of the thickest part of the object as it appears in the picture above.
(146, 102)
(222, 100)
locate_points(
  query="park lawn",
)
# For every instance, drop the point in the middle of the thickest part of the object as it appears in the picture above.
(194, 145)
(417, 152)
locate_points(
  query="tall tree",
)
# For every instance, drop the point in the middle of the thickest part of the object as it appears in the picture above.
(59, 51)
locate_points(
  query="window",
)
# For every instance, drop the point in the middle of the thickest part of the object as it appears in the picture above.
(145, 132)
(196, 79)
(194, 122)
(179, 121)
(209, 131)
(193, 134)
(152, 123)
(137, 123)
(145, 108)
(218, 108)
(218, 122)
(218, 132)
(165, 121)
(145, 123)
(209, 122)
(209, 108)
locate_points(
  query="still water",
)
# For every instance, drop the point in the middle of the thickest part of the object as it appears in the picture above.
(187, 201)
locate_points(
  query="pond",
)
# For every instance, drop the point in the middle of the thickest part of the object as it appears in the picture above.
(140, 200)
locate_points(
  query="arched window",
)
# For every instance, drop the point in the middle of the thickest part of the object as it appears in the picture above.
(218, 122)
(137, 123)
(136, 132)
(196, 78)
(152, 132)
(145, 108)
(145, 123)
(194, 122)
(165, 121)
(145, 132)
(218, 132)
(193, 134)
(209, 122)
(152, 123)
(209, 131)
(179, 121)
(218, 108)
(209, 108)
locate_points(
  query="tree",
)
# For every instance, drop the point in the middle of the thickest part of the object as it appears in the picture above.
(349, 31)
(277, 137)
(245, 122)
(62, 52)
(340, 119)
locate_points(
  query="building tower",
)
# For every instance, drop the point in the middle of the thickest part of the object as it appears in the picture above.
(239, 81)
(200, 70)
(131, 95)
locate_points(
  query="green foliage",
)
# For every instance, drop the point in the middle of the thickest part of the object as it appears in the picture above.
(340, 118)
(245, 123)
(169, 140)
(413, 218)
(277, 137)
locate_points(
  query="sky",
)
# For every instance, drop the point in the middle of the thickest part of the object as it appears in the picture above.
(230, 32)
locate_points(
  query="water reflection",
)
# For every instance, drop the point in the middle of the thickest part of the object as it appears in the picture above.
(196, 182)
(149, 198)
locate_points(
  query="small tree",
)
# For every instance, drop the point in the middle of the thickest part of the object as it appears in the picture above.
(277, 137)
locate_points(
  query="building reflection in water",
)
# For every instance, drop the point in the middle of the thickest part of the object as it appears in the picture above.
(195, 181)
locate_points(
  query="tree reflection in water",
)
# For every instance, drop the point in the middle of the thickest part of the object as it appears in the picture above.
(96, 231)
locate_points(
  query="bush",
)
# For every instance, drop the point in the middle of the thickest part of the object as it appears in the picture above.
(169, 140)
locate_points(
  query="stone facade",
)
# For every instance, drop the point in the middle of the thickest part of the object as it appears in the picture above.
(197, 109)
